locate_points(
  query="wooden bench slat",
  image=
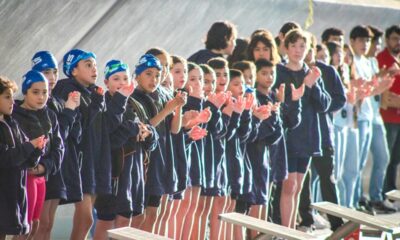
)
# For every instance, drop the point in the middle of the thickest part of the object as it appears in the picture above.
(393, 195)
(264, 226)
(357, 216)
(128, 233)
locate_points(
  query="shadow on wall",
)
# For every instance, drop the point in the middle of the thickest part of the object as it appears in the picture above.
(125, 29)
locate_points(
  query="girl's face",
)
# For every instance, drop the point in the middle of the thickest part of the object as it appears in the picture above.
(179, 74)
(261, 51)
(338, 57)
(265, 77)
(149, 80)
(36, 96)
(86, 72)
(360, 45)
(195, 81)
(348, 57)
(231, 46)
(209, 83)
(323, 55)
(6, 102)
(165, 65)
(222, 79)
(167, 83)
(297, 51)
(117, 81)
(52, 76)
(236, 86)
(249, 77)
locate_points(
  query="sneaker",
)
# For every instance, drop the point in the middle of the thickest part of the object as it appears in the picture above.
(365, 206)
(320, 222)
(365, 210)
(306, 229)
(383, 207)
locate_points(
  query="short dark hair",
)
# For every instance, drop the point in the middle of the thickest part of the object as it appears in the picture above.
(376, 32)
(392, 29)
(360, 31)
(235, 73)
(332, 31)
(268, 40)
(240, 51)
(288, 26)
(219, 35)
(244, 65)
(155, 51)
(6, 83)
(261, 63)
(192, 65)
(207, 69)
(217, 63)
(295, 35)
(177, 59)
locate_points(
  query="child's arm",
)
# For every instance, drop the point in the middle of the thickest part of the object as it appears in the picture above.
(151, 141)
(335, 89)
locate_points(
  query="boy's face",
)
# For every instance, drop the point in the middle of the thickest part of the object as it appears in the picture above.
(209, 83)
(117, 81)
(360, 45)
(36, 96)
(195, 81)
(165, 65)
(249, 75)
(149, 80)
(222, 79)
(336, 38)
(52, 76)
(179, 74)
(393, 43)
(236, 86)
(376, 47)
(297, 51)
(6, 102)
(167, 83)
(261, 51)
(266, 77)
(86, 72)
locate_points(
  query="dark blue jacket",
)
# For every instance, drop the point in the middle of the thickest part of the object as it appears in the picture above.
(305, 140)
(202, 56)
(334, 87)
(161, 174)
(214, 148)
(35, 123)
(97, 121)
(17, 154)
(240, 126)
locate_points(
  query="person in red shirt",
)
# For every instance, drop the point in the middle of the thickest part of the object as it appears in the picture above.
(389, 60)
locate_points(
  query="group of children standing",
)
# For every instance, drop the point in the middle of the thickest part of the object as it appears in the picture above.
(177, 144)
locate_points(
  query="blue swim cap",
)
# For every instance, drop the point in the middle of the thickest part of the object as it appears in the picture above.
(43, 60)
(114, 66)
(72, 58)
(147, 61)
(31, 77)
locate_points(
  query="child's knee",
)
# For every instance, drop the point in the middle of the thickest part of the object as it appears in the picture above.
(289, 187)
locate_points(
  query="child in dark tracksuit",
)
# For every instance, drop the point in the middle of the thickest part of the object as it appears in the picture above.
(17, 155)
(128, 142)
(97, 121)
(36, 120)
(304, 141)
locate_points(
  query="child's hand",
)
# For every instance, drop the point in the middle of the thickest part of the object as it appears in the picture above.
(275, 107)
(197, 133)
(127, 90)
(180, 98)
(262, 112)
(280, 93)
(190, 119)
(99, 90)
(73, 101)
(205, 115)
(228, 109)
(38, 170)
(39, 142)
(312, 76)
(250, 101)
(239, 105)
(144, 132)
(297, 93)
(217, 99)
